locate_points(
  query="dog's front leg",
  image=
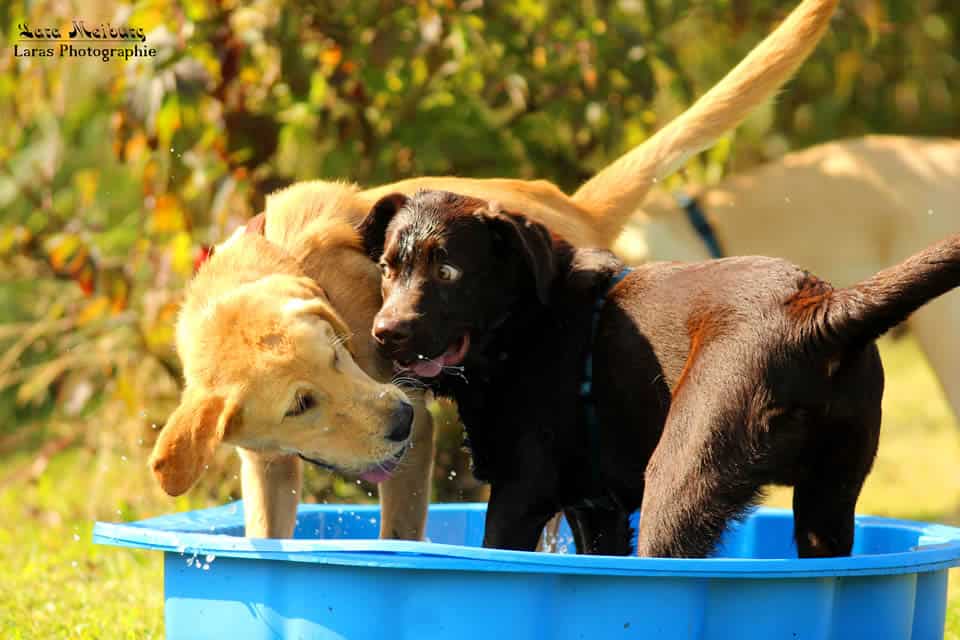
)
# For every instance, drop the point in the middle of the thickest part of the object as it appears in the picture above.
(405, 496)
(271, 493)
(513, 520)
(598, 531)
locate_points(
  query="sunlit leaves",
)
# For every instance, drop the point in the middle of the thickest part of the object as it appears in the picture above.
(168, 215)
(85, 183)
(13, 238)
(67, 252)
(181, 253)
(168, 120)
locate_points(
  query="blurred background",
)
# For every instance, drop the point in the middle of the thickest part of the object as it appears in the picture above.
(116, 177)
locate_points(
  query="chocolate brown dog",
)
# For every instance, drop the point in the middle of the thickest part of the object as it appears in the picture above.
(724, 375)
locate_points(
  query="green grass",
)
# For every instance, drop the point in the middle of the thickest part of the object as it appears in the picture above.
(54, 583)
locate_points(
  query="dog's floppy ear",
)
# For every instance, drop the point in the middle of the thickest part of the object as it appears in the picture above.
(189, 439)
(529, 240)
(373, 229)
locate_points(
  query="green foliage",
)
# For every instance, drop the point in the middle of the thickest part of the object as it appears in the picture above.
(114, 176)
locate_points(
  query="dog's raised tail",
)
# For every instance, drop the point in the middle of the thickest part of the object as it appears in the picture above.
(617, 191)
(859, 314)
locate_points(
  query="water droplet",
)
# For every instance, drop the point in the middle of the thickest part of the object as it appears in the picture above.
(929, 212)
(206, 567)
(73, 564)
(373, 521)
(76, 538)
(210, 558)
(124, 458)
(293, 491)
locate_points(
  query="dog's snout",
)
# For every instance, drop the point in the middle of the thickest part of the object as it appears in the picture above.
(392, 331)
(401, 422)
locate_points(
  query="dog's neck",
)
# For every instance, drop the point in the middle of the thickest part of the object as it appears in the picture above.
(581, 276)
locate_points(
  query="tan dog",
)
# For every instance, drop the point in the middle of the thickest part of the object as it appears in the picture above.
(257, 337)
(843, 210)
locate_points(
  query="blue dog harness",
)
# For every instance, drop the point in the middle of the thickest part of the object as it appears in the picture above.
(587, 399)
(700, 223)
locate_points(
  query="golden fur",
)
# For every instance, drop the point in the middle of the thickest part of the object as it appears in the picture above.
(255, 325)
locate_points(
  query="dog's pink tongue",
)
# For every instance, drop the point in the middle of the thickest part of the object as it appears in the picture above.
(427, 368)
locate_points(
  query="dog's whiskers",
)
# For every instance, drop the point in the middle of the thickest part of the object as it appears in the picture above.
(458, 371)
(408, 381)
(341, 339)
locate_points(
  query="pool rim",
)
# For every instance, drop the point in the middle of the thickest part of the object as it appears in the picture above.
(187, 533)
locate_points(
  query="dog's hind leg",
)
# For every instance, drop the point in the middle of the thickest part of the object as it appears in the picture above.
(823, 517)
(824, 505)
(825, 497)
(699, 477)
(404, 497)
(840, 447)
(600, 531)
(271, 493)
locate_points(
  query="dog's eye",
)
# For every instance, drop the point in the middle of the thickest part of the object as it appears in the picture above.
(302, 402)
(385, 271)
(447, 273)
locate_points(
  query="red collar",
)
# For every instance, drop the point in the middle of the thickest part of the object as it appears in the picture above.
(256, 224)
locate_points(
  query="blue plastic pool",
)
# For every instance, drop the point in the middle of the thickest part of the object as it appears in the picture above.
(335, 580)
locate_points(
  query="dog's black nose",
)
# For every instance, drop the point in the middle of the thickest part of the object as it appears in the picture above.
(392, 332)
(401, 421)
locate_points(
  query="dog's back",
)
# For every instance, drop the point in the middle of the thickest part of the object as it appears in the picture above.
(315, 223)
(773, 378)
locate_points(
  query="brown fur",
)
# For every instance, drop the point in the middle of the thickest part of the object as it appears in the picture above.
(773, 378)
(262, 315)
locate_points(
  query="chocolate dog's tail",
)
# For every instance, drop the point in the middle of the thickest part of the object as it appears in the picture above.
(617, 191)
(862, 313)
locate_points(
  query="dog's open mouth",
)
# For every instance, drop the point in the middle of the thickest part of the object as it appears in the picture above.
(375, 474)
(432, 367)
(383, 470)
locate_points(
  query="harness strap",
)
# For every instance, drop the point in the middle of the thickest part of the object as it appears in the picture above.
(700, 223)
(587, 399)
